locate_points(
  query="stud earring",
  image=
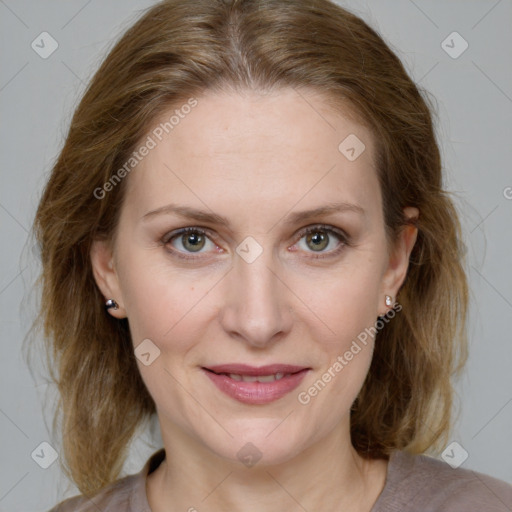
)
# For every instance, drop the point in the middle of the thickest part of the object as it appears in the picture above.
(389, 300)
(111, 304)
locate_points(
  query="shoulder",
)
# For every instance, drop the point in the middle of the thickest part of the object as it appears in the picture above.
(127, 494)
(113, 498)
(420, 482)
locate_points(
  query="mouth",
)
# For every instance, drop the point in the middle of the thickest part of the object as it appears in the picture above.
(256, 385)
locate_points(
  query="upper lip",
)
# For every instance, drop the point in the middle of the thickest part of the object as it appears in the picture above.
(244, 369)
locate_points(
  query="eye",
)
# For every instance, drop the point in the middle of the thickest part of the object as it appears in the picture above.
(323, 239)
(188, 240)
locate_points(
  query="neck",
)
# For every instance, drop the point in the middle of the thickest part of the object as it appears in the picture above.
(330, 473)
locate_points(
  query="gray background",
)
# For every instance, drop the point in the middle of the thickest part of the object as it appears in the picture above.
(474, 94)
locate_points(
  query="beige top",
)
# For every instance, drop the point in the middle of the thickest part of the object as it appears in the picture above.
(414, 483)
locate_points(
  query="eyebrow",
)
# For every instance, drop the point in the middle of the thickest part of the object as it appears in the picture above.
(291, 218)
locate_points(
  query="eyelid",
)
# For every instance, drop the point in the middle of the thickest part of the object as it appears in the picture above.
(166, 239)
(324, 227)
(195, 229)
(345, 239)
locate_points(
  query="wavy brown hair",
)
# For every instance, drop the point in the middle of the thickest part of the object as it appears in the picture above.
(179, 49)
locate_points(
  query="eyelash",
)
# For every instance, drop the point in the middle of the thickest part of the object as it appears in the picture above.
(343, 237)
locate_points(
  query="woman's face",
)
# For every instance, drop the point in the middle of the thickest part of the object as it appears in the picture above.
(248, 286)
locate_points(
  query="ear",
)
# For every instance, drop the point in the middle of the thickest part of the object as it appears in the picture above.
(398, 262)
(105, 275)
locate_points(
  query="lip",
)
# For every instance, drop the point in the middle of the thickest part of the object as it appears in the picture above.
(256, 393)
(255, 371)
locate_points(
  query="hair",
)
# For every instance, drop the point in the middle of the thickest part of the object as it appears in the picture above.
(179, 49)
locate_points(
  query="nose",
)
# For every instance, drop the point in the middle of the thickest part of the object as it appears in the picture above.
(257, 308)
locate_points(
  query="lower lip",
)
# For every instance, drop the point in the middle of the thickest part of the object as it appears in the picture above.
(256, 392)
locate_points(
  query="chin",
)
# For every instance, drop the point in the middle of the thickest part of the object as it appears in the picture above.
(267, 442)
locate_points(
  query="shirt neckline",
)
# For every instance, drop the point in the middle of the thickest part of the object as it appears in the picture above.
(139, 498)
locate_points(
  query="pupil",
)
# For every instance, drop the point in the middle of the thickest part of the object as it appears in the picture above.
(193, 241)
(319, 240)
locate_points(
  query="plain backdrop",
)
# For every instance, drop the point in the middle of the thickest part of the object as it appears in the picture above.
(474, 97)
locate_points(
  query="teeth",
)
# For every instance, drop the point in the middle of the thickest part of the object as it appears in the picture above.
(266, 378)
(258, 378)
(250, 378)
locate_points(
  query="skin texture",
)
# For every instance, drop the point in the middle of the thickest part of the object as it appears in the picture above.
(255, 159)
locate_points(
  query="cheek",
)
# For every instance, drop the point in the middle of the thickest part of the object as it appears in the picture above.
(345, 306)
(331, 396)
(163, 306)
(345, 302)
(161, 301)
(347, 353)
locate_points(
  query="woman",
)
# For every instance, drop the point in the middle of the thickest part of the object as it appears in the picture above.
(246, 233)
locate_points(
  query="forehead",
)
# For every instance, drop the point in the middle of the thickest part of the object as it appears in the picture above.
(253, 148)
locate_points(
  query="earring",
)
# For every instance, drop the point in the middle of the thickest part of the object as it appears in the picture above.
(389, 300)
(111, 304)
